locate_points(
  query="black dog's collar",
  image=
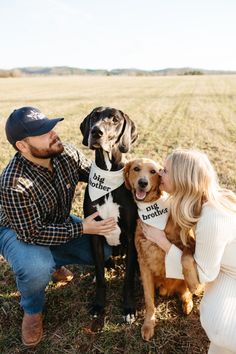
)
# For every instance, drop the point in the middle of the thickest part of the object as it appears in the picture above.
(103, 182)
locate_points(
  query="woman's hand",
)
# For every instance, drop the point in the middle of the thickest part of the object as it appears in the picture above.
(157, 236)
(91, 226)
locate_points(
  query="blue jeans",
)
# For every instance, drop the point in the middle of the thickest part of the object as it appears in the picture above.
(34, 265)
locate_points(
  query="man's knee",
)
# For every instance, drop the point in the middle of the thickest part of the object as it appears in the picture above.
(28, 262)
(35, 271)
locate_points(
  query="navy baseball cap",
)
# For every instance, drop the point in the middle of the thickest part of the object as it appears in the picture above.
(28, 121)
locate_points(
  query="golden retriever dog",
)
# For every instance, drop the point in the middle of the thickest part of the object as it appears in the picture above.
(142, 178)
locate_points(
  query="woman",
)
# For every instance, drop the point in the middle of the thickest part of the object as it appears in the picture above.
(197, 201)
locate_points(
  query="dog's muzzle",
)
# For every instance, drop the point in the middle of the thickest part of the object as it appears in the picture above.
(142, 182)
(96, 133)
(94, 137)
(141, 190)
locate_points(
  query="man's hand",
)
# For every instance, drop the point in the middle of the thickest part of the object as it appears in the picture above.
(91, 226)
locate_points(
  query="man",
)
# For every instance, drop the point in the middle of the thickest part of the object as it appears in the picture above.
(37, 233)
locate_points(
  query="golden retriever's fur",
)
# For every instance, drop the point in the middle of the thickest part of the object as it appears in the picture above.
(151, 258)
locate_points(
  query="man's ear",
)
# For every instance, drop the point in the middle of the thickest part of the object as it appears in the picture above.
(22, 146)
(126, 174)
(129, 134)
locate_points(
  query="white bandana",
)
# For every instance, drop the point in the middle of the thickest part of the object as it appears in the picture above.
(156, 213)
(103, 182)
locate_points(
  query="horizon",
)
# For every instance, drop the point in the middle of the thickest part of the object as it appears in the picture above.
(113, 69)
(105, 35)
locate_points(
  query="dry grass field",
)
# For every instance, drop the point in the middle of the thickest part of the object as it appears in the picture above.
(170, 112)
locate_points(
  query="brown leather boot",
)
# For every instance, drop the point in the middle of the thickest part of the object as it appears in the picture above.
(32, 329)
(62, 275)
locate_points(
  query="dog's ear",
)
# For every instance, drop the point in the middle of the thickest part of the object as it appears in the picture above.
(129, 134)
(84, 128)
(126, 174)
(158, 191)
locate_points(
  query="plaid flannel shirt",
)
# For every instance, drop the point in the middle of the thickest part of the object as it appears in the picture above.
(36, 203)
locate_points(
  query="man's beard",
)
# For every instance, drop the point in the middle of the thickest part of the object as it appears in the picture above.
(47, 153)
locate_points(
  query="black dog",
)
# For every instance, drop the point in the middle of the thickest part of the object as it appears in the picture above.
(110, 133)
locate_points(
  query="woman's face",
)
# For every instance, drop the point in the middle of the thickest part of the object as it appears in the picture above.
(166, 183)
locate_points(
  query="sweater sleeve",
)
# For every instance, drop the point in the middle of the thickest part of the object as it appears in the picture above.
(173, 263)
(212, 235)
(211, 239)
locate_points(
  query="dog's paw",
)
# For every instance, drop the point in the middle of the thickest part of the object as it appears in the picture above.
(129, 316)
(187, 307)
(98, 321)
(97, 311)
(147, 331)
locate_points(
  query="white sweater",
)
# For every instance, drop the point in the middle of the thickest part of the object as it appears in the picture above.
(215, 255)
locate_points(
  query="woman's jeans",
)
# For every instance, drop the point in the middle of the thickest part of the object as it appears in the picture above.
(34, 265)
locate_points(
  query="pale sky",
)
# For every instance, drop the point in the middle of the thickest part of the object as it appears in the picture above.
(110, 34)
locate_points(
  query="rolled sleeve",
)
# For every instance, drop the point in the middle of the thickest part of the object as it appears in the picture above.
(173, 263)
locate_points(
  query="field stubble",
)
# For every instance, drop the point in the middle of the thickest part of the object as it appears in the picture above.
(192, 112)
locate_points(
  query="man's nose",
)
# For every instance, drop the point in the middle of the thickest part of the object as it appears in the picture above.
(160, 172)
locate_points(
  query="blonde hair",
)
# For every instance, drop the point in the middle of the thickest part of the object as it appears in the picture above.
(194, 183)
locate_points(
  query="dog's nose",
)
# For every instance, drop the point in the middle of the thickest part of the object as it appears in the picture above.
(142, 182)
(96, 132)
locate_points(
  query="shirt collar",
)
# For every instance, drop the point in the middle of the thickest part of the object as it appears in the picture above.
(32, 165)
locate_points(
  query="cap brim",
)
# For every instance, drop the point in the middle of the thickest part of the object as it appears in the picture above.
(47, 126)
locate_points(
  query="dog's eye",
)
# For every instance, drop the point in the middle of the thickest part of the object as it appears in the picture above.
(115, 120)
(153, 172)
(136, 168)
(94, 120)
